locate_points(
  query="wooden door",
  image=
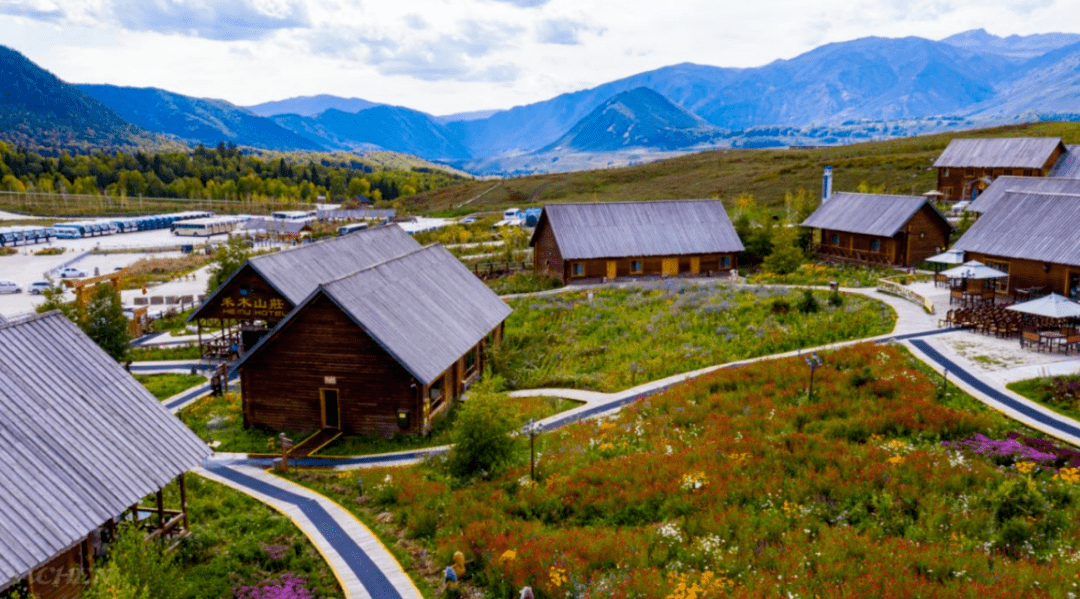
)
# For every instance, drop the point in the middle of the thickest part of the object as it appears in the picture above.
(331, 411)
(611, 270)
(669, 267)
(695, 265)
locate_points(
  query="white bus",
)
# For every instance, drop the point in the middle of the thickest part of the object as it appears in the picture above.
(294, 215)
(205, 227)
(346, 229)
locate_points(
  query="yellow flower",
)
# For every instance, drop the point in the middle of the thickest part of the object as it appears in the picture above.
(1025, 467)
(1069, 475)
(508, 555)
(557, 576)
(896, 460)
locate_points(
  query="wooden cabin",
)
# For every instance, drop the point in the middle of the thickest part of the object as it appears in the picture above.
(384, 350)
(967, 167)
(267, 287)
(888, 230)
(1033, 237)
(1002, 186)
(634, 239)
(84, 444)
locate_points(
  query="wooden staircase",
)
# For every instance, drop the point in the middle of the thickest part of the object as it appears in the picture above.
(314, 442)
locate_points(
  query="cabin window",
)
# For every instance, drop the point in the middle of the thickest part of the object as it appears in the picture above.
(637, 267)
(1001, 284)
(725, 261)
(470, 361)
(435, 392)
(875, 245)
(577, 269)
(835, 239)
(945, 172)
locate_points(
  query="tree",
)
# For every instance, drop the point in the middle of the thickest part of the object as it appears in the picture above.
(227, 260)
(105, 323)
(786, 256)
(482, 442)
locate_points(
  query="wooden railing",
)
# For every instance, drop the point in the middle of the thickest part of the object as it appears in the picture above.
(895, 288)
(491, 270)
(851, 255)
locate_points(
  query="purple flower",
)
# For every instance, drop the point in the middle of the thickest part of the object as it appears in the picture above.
(286, 586)
(276, 551)
(1006, 448)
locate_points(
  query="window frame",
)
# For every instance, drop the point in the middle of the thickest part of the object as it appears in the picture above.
(640, 266)
(577, 269)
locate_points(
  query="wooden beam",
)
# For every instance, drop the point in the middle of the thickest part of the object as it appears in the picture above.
(183, 498)
(161, 507)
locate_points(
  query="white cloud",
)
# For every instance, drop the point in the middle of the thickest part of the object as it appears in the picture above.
(224, 20)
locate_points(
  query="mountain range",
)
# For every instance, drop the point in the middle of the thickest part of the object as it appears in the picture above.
(868, 88)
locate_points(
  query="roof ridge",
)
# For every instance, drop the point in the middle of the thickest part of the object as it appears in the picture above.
(321, 242)
(7, 322)
(632, 202)
(1036, 192)
(384, 262)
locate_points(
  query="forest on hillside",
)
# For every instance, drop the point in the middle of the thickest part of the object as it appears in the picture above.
(221, 173)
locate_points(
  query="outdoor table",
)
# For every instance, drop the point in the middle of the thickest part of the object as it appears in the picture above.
(1053, 338)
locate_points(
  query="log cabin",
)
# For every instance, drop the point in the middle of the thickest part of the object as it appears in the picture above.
(262, 291)
(613, 240)
(888, 230)
(968, 166)
(84, 444)
(384, 350)
(1033, 237)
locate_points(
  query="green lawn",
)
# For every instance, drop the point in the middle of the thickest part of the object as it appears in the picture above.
(164, 386)
(1058, 393)
(613, 339)
(818, 273)
(522, 282)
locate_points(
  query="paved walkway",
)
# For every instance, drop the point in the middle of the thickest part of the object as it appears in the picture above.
(362, 564)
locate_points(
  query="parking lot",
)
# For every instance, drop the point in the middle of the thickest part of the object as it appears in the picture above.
(25, 267)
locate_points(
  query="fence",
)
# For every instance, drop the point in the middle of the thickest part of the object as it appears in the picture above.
(493, 270)
(895, 288)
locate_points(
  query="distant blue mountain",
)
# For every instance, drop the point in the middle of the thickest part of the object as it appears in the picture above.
(639, 118)
(311, 105)
(1021, 47)
(389, 127)
(196, 120)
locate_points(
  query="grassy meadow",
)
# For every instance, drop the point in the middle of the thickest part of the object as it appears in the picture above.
(736, 485)
(613, 339)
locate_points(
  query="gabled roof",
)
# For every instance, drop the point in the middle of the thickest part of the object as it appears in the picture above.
(82, 441)
(1005, 185)
(426, 309)
(285, 227)
(1033, 226)
(1004, 152)
(296, 272)
(623, 229)
(867, 213)
(1068, 165)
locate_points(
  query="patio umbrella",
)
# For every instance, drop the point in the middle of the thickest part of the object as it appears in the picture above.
(948, 257)
(1050, 306)
(973, 269)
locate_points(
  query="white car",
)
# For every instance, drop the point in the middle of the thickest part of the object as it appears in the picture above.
(9, 287)
(39, 287)
(72, 272)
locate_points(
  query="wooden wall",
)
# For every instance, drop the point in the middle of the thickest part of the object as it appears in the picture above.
(262, 302)
(59, 578)
(322, 348)
(1024, 274)
(651, 266)
(547, 258)
(927, 235)
(281, 384)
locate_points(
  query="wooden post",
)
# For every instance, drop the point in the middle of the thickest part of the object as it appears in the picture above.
(183, 499)
(160, 509)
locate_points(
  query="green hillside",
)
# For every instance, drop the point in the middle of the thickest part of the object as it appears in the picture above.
(902, 166)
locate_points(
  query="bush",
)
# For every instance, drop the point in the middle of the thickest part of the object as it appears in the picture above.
(780, 306)
(835, 299)
(482, 442)
(808, 304)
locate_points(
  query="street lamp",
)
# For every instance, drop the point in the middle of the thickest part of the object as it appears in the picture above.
(532, 428)
(814, 361)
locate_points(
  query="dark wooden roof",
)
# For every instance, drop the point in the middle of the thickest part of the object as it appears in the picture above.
(626, 229)
(426, 309)
(1033, 226)
(1005, 185)
(296, 272)
(866, 213)
(81, 441)
(1004, 152)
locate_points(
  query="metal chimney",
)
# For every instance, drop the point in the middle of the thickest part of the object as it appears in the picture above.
(826, 184)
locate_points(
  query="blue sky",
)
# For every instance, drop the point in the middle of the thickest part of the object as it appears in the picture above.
(449, 56)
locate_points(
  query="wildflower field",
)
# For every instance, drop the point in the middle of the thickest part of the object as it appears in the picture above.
(736, 484)
(624, 337)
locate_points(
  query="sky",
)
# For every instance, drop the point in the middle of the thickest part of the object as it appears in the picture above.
(453, 56)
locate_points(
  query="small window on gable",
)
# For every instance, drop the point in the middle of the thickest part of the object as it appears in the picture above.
(835, 239)
(577, 269)
(636, 266)
(875, 245)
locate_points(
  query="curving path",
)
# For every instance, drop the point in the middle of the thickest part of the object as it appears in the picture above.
(366, 569)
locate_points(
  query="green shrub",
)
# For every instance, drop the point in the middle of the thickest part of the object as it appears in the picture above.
(808, 304)
(482, 442)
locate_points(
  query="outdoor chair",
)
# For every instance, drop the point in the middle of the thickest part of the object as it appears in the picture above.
(1029, 338)
(1072, 343)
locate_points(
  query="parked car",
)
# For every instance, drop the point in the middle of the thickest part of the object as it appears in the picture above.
(9, 287)
(468, 220)
(71, 272)
(39, 287)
